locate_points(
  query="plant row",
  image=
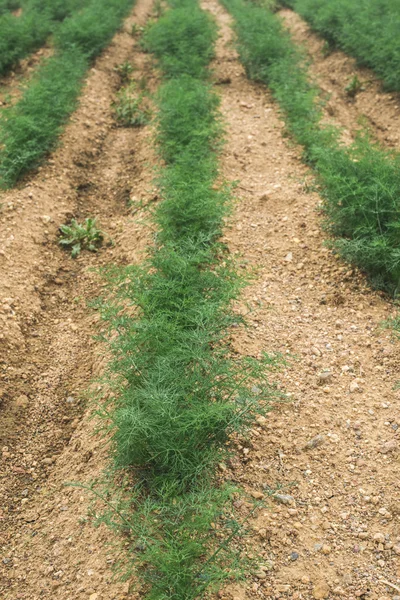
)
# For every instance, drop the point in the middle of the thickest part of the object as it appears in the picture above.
(22, 34)
(30, 128)
(366, 29)
(181, 393)
(360, 184)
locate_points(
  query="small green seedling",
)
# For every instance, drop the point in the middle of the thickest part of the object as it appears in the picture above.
(326, 49)
(353, 87)
(136, 30)
(124, 70)
(131, 108)
(77, 237)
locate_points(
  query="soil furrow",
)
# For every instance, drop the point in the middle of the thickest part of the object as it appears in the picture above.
(333, 448)
(334, 71)
(48, 356)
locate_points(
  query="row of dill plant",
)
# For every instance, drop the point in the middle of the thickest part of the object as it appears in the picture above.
(30, 128)
(180, 392)
(360, 184)
(366, 29)
(22, 34)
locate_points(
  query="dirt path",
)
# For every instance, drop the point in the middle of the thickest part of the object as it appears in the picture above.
(333, 72)
(334, 449)
(47, 354)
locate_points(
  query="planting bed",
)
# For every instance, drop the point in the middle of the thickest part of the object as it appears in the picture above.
(328, 451)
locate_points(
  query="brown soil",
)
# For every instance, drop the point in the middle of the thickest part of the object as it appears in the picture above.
(333, 73)
(334, 448)
(47, 355)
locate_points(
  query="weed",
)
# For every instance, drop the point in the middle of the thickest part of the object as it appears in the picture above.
(353, 87)
(326, 49)
(124, 70)
(132, 109)
(78, 237)
(136, 30)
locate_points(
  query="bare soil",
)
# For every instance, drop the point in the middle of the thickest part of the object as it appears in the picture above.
(332, 449)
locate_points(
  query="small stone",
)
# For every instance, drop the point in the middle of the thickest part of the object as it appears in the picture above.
(387, 447)
(379, 538)
(46, 219)
(47, 461)
(381, 563)
(354, 387)
(94, 596)
(316, 351)
(317, 547)
(294, 556)
(260, 574)
(315, 442)
(326, 549)
(282, 588)
(283, 498)
(261, 420)
(288, 257)
(324, 376)
(305, 579)
(257, 495)
(321, 590)
(22, 401)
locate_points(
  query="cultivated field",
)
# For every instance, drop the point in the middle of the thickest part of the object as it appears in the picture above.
(200, 268)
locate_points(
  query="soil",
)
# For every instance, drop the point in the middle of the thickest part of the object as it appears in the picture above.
(333, 72)
(331, 450)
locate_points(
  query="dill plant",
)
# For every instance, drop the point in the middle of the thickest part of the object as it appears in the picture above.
(30, 128)
(180, 392)
(367, 29)
(360, 184)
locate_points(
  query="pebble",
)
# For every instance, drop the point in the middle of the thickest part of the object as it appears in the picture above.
(321, 590)
(257, 495)
(379, 538)
(283, 498)
(288, 257)
(294, 556)
(387, 447)
(354, 387)
(260, 574)
(324, 376)
(315, 442)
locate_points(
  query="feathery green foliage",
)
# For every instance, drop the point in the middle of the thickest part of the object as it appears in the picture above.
(367, 29)
(20, 35)
(30, 129)
(360, 184)
(182, 47)
(180, 391)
